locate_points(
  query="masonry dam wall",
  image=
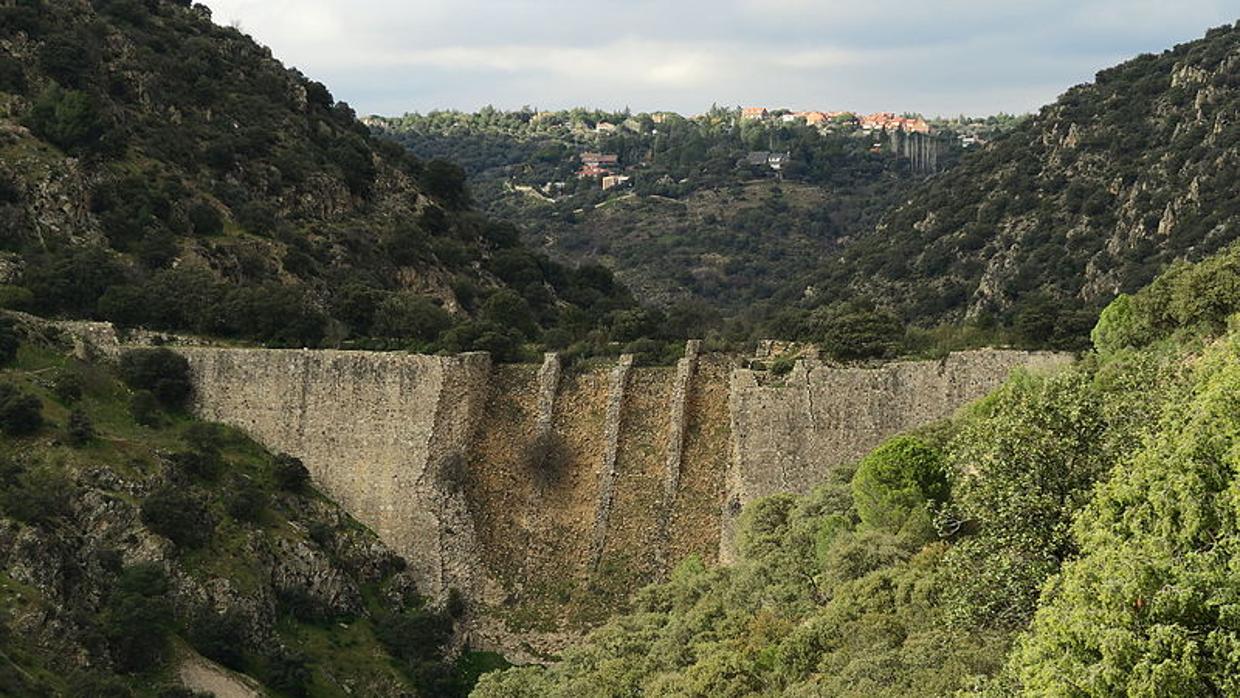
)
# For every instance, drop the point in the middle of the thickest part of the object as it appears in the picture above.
(547, 495)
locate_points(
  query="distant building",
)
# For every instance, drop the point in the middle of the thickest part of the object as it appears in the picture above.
(588, 171)
(917, 125)
(887, 121)
(877, 121)
(756, 158)
(599, 159)
(605, 127)
(759, 159)
(754, 113)
(814, 118)
(612, 181)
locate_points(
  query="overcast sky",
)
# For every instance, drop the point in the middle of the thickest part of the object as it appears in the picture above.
(932, 56)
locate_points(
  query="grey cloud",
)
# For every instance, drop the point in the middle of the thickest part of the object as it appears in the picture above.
(950, 56)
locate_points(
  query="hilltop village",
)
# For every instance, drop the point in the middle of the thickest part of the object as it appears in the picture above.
(606, 169)
(654, 152)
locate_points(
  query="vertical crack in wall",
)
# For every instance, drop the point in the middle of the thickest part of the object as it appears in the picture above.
(685, 369)
(611, 446)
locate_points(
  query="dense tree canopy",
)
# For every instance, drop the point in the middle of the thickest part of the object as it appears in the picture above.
(1072, 534)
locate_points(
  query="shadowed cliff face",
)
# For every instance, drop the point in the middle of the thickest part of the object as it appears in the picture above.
(546, 496)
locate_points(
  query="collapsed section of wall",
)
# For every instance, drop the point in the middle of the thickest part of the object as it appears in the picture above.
(384, 434)
(788, 434)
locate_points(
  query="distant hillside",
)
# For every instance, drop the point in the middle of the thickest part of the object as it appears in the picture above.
(714, 210)
(1090, 197)
(157, 169)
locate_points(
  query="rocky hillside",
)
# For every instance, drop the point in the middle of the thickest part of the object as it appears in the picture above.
(1090, 197)
(140, 549)
(184, 178)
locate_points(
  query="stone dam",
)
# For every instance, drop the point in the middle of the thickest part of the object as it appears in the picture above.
(546, 494)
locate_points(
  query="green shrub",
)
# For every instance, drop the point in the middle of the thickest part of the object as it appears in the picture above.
(446, 181)
(144, 408)
(507, 308)
(205, 220)
(278, 313)
(863, 334)
(783, 365)
(37, 495)
(219, 637)
(1119, 325)
(1145, 609)
(896, 483)
(557, 339)
(287, 672)
(15, 297)
(410, 316)
(68, 118)
(198, 465)
(71, 280)
(138, 618)
(67, 385)
(21, 413)
(9, 341)
(205, 437)
(12, 76)
(415, 636)
(245, 501)
(79, 430)
(163, 372)
(290, 473)
(304, 606)
(1188, 298)
(1025, 465)
(179, 516)
(1043, 321)
(649, 352)
(503, 343)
